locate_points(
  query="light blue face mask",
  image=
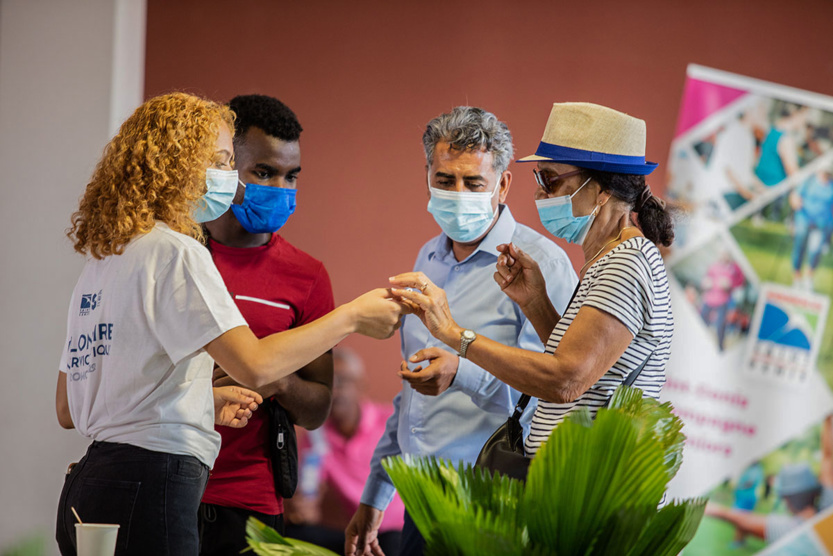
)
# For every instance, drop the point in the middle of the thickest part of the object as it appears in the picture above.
(265, 209)
(463, 216)
(557, 217)
(221, 185)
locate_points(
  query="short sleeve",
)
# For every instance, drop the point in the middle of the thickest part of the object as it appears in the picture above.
(621, 287)
(320, 298)
(190, 305)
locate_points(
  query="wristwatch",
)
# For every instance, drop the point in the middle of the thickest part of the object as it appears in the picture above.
(466, 337)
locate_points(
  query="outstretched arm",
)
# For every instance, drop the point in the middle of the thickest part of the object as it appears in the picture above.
(747, 522)
(592, 344)
(255, 363)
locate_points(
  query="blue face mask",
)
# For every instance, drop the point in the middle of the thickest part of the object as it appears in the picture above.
(221, 185)
(557, 217)
(463, 216)
(265, 209)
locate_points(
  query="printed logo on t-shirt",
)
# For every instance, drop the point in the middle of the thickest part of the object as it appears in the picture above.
(89, 302)
(86, 349)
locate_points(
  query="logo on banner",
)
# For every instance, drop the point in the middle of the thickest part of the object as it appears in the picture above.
(788, 329)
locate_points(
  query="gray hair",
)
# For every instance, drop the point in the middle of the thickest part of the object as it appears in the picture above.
(470, 128)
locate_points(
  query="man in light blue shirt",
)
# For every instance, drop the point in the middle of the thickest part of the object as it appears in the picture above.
(448, 407)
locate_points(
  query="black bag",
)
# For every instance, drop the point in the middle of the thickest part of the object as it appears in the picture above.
(283, 449)
(504, 451)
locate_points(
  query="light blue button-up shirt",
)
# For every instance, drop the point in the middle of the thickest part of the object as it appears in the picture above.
(456, 424)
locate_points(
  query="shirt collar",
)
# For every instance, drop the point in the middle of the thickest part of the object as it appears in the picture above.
(501, 232)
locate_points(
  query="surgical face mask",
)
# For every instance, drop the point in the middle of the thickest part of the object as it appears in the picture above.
(463, 216)
(265, 209)
(557, 217)
(221, 185)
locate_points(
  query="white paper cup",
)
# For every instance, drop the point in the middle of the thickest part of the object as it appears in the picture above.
(96, 539)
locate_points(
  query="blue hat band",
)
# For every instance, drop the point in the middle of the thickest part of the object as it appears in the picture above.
(593, 160)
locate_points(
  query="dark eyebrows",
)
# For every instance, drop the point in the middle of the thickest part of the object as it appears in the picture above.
(273, 170)
(266, 167)
(465, 178)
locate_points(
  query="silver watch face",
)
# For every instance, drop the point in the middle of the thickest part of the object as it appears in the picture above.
(469, 334)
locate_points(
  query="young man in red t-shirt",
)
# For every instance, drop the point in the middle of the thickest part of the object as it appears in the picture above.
(277, 287)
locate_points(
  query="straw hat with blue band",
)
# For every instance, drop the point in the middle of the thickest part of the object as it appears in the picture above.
(595, 137)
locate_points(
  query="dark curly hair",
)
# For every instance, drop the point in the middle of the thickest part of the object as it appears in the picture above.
(266, 113)
(652, 217)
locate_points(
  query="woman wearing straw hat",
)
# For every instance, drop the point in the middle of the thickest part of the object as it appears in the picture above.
(591, 172)
(148, 318)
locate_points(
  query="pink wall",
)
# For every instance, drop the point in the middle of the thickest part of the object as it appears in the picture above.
(364, 78)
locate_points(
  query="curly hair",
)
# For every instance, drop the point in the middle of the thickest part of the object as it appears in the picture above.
(153, 169)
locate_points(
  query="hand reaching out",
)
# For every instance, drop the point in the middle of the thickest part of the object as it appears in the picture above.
(377, 313)
(429, 303)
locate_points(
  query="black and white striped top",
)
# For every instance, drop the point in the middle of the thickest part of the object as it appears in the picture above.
(631, 284)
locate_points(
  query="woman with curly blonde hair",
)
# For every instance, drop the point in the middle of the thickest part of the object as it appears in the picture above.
(147, 317)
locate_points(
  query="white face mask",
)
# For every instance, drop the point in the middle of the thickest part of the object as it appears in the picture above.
(463, 216)
(221, 186)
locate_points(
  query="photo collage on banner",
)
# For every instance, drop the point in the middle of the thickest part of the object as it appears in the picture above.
(750, 176)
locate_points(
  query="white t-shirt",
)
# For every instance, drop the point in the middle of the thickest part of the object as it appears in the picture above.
(630, 283)
(136, 369)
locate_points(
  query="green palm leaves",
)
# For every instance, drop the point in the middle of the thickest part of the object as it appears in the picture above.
(265, 541)
(593, 488)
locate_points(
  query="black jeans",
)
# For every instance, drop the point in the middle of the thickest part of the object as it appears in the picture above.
(153, 496)
(223, 529)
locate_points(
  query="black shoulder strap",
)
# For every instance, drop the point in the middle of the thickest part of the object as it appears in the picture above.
(632, 377)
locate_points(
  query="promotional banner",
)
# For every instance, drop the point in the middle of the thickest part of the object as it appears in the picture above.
(751, 174)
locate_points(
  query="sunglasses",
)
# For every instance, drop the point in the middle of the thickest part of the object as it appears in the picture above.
(548, 181)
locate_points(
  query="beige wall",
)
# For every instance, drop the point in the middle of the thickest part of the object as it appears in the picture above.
(58, 94)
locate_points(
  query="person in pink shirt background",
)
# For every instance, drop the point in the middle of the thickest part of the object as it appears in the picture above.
(722, 278)
(335, 462)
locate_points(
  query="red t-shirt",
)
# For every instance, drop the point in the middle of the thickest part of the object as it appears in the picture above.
(277, 287)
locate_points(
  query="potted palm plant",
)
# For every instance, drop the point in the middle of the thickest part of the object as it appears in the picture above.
(594, 488)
